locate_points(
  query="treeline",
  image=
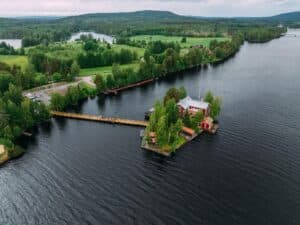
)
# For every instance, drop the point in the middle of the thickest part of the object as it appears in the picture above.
(170, 61)
(72, 97)
(45, 36)
(17, 113)
(56, 68)
(6, 49)
(34, 32)
(263, 34)
(224, 49)
(96, 56)
(25, 79)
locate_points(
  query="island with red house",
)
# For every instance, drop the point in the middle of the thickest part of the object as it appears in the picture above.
(179, 119)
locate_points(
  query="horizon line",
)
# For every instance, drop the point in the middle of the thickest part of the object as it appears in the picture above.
(88, 13)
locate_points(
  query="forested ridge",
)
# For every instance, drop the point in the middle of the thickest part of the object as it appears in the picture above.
(35, 31)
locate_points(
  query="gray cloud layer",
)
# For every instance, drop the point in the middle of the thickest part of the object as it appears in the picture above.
(187, 7)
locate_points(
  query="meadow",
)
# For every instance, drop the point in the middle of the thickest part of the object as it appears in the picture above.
(190, 41)
(11, 60)
(104, 70)
(70, 50)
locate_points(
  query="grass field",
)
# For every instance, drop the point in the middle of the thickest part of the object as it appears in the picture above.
(11, 60)
(140, 51)
(106, 70)
(191, 41)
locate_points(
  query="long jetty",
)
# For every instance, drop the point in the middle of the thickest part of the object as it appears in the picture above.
(116, 90)
(138, 123)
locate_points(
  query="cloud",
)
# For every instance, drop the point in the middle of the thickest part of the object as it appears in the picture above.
(187, 7)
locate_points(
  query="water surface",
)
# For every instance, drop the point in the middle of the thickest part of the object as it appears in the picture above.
(16, 43)
(96, 36)
(77, 172)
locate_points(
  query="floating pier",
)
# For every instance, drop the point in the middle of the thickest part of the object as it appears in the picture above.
(137, 123)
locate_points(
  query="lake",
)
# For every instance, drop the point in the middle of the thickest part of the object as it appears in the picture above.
(79, 172)
(16, 43)
(96, 36)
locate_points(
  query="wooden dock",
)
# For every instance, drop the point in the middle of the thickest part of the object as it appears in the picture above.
(137, 123)
(116, 90)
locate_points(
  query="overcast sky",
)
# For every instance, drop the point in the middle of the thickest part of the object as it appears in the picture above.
(185, 7)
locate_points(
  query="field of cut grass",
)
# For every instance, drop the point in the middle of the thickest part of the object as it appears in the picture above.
(106, 70)
(191, 41)
(17, 60)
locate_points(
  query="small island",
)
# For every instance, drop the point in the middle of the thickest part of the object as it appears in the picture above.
(179, 119)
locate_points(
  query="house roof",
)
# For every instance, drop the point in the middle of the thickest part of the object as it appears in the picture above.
(188, 101)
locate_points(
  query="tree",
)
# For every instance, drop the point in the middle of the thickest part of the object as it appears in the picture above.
(5, 80)
(41, 112)
(162, 132)
(196, 120)
(14, 94)
(172, 113)
(4, 118)
(174, 134)
(100, 83)
(74, 71)
(73, 95)
(187, 119)
(159, 111)
(182, 92)
(183, 40)
(215, 108)
(209, 97)
(90, 45)
(174, 93)
(57, 102)
(110, 81)
(147, 56)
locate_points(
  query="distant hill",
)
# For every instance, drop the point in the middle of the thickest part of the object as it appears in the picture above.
(135, 23)
(146, 15)
(287, 17)
(45, 18)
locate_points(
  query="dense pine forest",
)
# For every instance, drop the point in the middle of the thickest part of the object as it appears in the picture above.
(34, 31)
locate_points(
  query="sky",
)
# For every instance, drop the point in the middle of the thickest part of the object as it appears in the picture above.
(216, 8)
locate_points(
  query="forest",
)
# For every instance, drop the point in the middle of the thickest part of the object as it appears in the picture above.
(35, 31)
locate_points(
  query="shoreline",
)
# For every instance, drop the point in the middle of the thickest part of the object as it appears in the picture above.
(158, 150)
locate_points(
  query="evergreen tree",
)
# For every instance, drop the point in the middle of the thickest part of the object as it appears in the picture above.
(100, 84)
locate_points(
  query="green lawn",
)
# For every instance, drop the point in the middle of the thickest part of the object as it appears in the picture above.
(140, 51)
(106, 70)
(191, 41)
(17, 60)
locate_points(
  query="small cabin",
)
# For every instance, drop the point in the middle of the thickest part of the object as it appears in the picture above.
(207, 124)
(193, 106)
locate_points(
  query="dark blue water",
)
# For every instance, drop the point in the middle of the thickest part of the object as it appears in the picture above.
(77, 172)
